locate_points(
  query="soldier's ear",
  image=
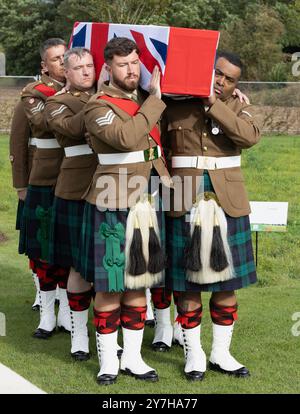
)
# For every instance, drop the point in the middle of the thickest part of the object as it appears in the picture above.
(44, 66)
(109, 70)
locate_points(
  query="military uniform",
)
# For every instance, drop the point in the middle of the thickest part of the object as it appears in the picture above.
(21, 148)
(114, 134)
(120, 224)
(38, 204)
(46, 162)
(209, 145)
(21, 154)
(208, 234)
(64, 113)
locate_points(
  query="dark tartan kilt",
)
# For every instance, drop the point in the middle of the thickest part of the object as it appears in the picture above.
(20, 209)
(93, 248)
(30, 224)
(239, 239)
(65, 229)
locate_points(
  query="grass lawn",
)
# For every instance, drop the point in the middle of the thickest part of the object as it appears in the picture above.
(262, 340)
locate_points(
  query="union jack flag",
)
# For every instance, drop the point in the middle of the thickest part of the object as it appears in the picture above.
(185, 57)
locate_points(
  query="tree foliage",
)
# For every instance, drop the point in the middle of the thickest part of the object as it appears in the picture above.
(24, 24)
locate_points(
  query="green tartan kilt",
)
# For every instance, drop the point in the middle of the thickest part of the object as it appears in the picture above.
(65, 229)
(35, 222)
(93, 247)
(239, 240)
(20, 209)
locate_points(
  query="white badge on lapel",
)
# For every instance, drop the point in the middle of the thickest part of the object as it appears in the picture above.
(215, 129)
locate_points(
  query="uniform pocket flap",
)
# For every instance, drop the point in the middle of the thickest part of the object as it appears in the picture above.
(181, 125)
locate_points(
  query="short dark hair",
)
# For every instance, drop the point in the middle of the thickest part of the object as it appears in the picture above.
(231, 57)
(120, 46)
(54, 41)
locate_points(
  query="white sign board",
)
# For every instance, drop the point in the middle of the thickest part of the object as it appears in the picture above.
(268, 216)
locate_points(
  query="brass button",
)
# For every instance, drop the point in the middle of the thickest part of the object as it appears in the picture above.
(205, 148)
(204, 134)
(180, 128)
(11, 158)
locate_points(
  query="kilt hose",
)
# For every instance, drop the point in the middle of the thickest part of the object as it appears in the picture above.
(65, 230)
(240, 243)
(93, 247)
(35, 222)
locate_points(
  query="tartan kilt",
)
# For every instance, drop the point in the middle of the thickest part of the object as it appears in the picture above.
(30, 242)
(93, 249)
(239, 240)
(20, 209)
(65, 229)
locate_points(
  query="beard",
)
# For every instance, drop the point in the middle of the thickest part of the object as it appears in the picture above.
(129, 85)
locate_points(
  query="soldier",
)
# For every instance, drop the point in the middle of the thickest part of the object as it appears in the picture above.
(64, 113)
(206, 138)
(38, 203)
(21, 154)
(121, 248)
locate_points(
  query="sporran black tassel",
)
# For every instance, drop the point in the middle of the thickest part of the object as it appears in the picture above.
(193, 257)
(157, 258)
(218, 258)
(137, 262)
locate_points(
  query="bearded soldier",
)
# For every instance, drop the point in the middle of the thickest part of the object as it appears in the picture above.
(122, 238)
(64, 113)
(208, 233)
(38, 203)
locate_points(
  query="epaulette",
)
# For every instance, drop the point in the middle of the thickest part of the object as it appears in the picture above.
(101, 93)
(45, 90)
(29, 87)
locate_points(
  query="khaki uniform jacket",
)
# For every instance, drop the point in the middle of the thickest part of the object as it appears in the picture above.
(21, 153)
(188, 132)
(64, 114)
(46, 162)
(114, 131)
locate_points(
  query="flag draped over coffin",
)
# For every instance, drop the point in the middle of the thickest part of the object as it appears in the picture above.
(185, 57)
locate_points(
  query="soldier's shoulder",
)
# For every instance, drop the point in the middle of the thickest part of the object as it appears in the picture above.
(96, 99)
(242, 108)
(98, 95)
(30, 88)
(235, 103)
(60, 96)
(38, 89)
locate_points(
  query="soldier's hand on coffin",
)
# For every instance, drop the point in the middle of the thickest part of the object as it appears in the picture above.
(210, 100)
(22, 194)
(242, 97)
(154, 88)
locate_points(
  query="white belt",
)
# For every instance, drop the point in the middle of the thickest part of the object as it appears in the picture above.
(76, 150)
(32, 142)
(129, 157)
(206, 163)
(47, 143)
